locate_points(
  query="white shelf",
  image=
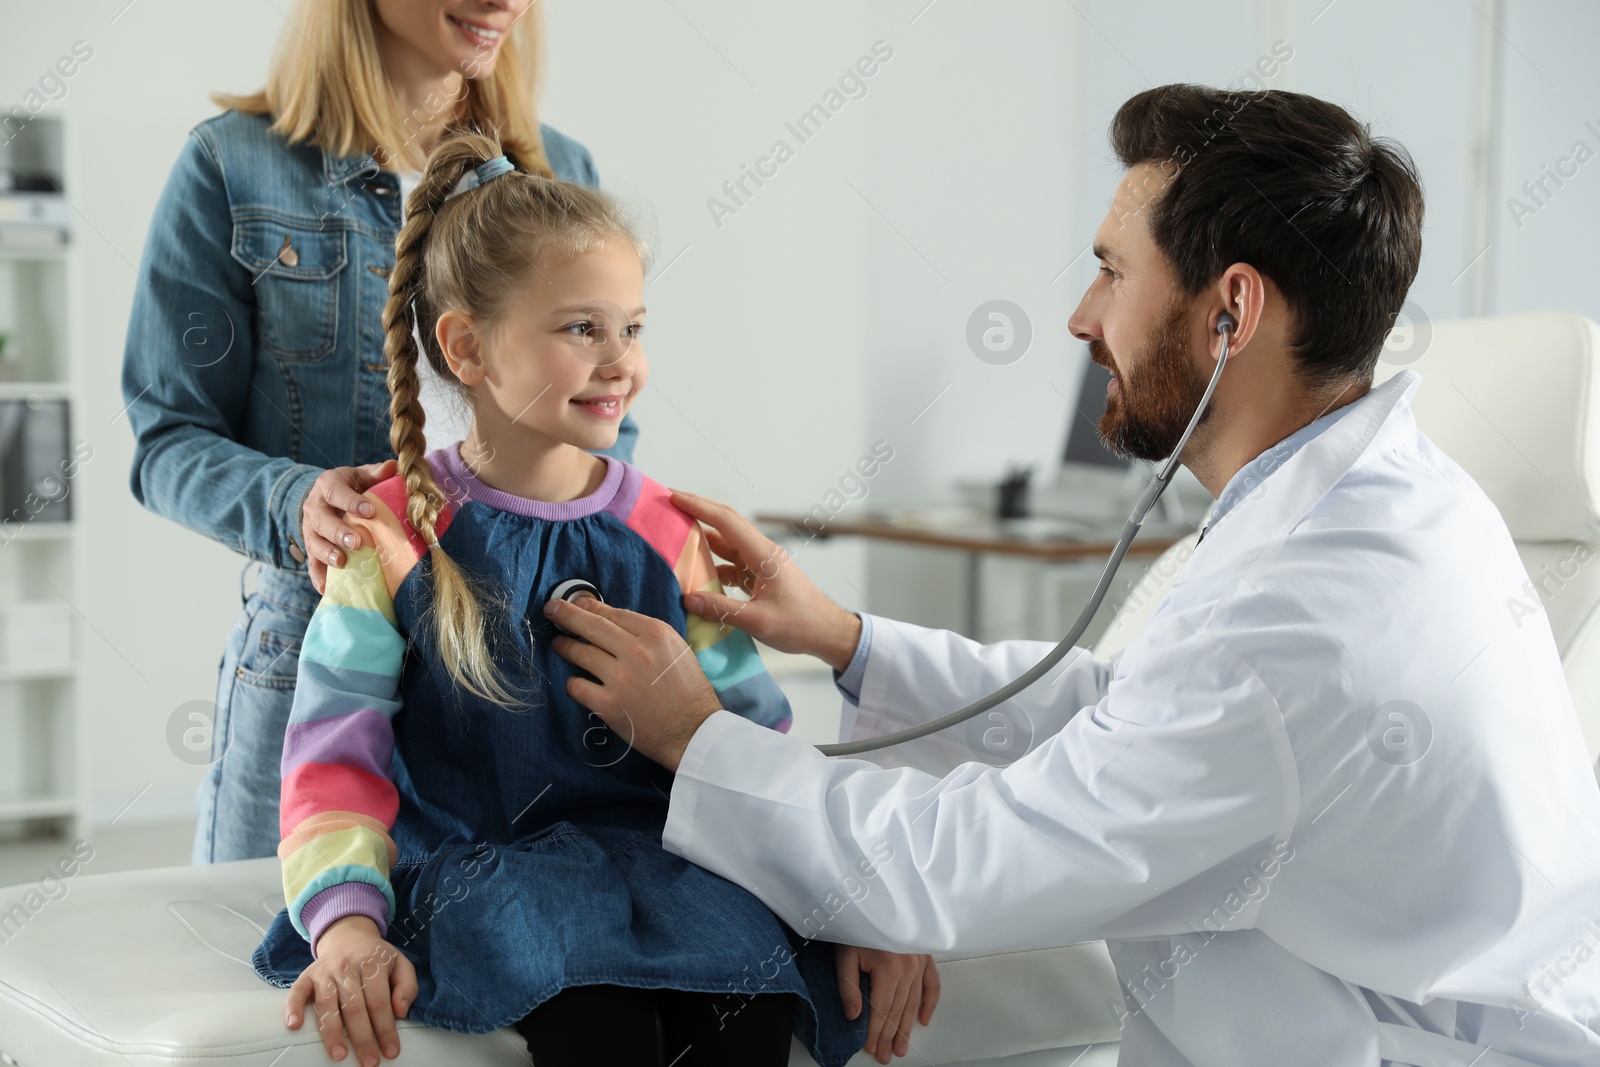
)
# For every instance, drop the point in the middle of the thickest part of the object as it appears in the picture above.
(24, 672)
(42, 254)
(37, 807)
(23, 390)
(40, 530)
(43, 759)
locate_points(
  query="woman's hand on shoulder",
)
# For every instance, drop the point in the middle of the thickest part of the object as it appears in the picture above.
(905, 990)
(359, 984)
(323, 527)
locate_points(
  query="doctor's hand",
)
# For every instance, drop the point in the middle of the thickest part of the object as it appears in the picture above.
(651, 692)
(905, 990)
(785, 611)
(323, 530)
(359, 984)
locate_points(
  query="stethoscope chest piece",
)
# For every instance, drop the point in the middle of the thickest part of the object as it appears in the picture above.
(573, 590)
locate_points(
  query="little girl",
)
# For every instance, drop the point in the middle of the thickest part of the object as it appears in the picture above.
(487, 851)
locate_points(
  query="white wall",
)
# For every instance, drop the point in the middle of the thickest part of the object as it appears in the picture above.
(831, 310)
(973, 169)
(1552, 103)
(757, 331)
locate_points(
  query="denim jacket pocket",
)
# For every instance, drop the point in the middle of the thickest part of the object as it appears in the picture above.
(271, 661)
(295, 265)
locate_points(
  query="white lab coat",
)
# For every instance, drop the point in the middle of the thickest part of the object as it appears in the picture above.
(1232, 805)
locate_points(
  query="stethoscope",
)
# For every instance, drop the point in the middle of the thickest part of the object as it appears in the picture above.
(577, 588)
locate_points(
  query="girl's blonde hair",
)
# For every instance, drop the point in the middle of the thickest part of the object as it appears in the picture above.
(327, 85)
(474, 252)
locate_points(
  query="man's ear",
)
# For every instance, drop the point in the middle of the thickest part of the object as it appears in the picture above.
(1242, 293)
(457, 334)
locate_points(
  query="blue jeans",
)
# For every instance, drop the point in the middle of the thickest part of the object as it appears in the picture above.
(238, 799)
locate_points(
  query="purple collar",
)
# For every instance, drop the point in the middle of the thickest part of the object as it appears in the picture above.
(458, 483)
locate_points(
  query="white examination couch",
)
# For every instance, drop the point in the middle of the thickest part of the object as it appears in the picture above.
(152, 967)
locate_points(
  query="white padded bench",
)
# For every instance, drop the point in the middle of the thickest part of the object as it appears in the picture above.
(153, 967)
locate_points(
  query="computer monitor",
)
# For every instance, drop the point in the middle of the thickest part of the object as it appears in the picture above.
(1084, 444)
(1092, 484)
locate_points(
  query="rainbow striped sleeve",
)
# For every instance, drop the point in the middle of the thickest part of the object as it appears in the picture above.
(338, 800)
(726, 654)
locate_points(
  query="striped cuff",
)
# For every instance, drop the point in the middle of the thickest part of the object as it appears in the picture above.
(338, 901)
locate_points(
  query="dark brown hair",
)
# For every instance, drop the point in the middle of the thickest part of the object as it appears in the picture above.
(1298, 189)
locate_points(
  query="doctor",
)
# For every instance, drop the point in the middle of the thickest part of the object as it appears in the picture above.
(1332, 806)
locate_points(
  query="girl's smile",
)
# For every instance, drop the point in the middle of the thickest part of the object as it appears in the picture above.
(601, 407)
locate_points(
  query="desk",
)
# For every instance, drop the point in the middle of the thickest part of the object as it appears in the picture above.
(1043, 539)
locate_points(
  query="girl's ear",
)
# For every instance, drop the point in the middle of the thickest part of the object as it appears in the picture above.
(457, 335)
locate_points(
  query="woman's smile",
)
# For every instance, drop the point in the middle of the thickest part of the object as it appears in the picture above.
(476, 33)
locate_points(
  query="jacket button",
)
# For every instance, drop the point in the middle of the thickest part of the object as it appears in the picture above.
(297, 552)
(382, 272)
(287, 255)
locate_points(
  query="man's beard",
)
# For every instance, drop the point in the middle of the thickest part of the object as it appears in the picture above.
(1146, 416)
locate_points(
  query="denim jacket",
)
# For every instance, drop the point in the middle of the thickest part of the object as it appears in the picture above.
(254, 358)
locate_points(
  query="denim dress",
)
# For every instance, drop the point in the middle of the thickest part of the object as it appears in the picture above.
(246, 374)
(527, 842)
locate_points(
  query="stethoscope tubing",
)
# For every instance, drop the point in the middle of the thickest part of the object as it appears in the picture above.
(1130, 530)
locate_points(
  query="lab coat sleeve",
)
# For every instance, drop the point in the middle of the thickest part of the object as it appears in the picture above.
(914, 674)
(1178, 767)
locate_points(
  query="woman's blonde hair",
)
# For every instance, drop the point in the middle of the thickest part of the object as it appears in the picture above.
(474, 252)
(327, 85)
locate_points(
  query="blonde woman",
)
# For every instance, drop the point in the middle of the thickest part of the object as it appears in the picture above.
(254, 368)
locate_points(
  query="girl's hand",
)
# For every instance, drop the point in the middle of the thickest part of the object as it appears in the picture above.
(904, 988)
(360, 984)
(785, 610)
(322, 526)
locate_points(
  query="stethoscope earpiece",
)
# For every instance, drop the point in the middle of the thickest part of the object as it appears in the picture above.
(1226, 322)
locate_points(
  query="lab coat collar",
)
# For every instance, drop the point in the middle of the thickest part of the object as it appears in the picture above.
(1376, 422)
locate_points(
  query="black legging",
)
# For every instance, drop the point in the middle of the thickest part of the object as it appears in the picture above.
(616, 1026)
